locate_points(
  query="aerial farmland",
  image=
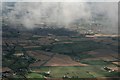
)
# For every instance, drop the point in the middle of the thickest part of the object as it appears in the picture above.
(62, 45)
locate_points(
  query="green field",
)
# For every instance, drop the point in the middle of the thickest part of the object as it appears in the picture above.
(34, 75)
(95, 62)
(77, 72)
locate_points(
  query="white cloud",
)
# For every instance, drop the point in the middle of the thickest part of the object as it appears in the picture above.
(60, 0)
(32, 13)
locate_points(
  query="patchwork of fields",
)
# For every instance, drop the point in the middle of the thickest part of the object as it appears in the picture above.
(74, 57)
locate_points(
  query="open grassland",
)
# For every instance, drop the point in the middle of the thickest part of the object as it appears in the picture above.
(34, 75)
(77, 72)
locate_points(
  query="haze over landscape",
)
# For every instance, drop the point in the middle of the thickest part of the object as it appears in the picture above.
(70, 15)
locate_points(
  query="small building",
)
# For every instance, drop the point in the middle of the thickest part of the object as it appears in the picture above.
(18, 54)
(56, 39)
(47, 74)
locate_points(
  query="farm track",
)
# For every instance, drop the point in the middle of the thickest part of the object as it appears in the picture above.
(48, 60)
